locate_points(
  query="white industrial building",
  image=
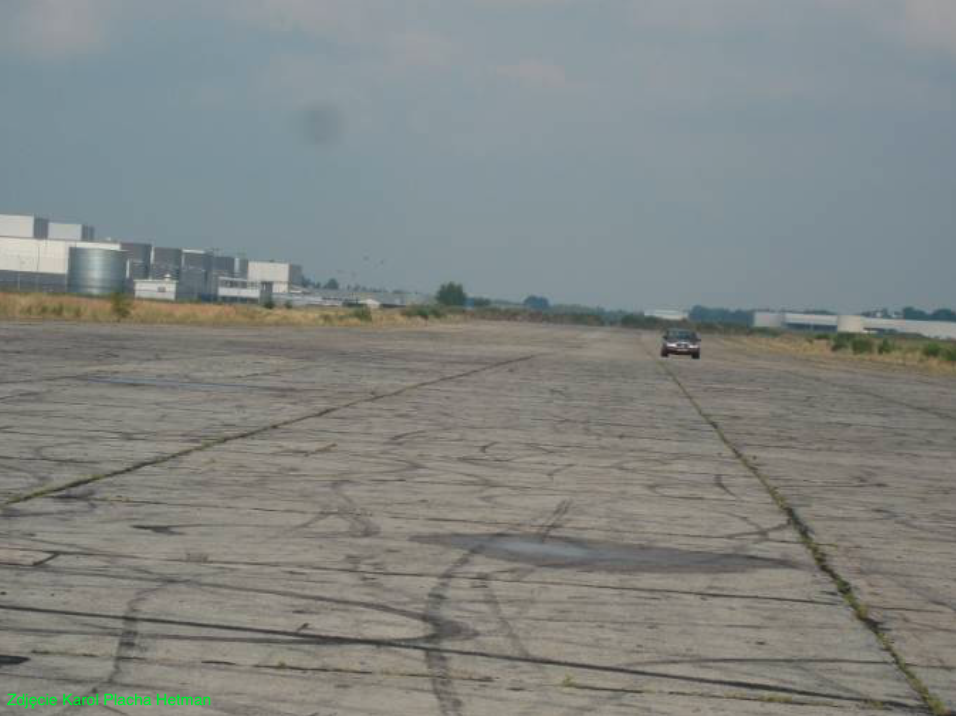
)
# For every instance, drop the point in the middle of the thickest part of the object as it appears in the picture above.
(282, 276)
(31, 264)
(23, 227)
(35, 256)
(70, 232)
(789, 320)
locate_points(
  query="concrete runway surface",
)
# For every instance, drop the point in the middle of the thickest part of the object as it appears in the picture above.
(479, 519)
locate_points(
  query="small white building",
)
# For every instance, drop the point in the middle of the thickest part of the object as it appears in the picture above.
(282, 276)
(666, 314)
(157, 289)
(242, 290)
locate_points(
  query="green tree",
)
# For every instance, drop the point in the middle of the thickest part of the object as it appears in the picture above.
(537, 303)
(705, 314)
(943, 314)
(332, 285)
(451, 294)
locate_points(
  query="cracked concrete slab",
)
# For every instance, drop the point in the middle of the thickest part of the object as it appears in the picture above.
(471, 519)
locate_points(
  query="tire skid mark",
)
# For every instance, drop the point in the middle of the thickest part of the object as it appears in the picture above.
(554, 521)
(126, 644)
(424, 646)
(437, 662)
(359, 524)
(426, 575)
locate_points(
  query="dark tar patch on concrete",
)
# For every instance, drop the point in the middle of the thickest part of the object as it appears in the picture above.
(596, 556)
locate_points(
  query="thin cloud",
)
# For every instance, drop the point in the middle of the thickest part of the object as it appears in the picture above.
(343, 20)
(420, 49)
(931, 24)
(535, 73)
(52, 29)
(923, 24)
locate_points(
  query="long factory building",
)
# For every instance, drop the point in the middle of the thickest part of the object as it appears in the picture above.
(790, 320)
(37, 254)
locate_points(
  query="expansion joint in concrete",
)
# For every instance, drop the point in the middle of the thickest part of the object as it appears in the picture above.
(845, 588)
(207, 444)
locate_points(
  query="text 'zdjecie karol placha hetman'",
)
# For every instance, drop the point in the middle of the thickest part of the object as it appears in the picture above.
(31, 702)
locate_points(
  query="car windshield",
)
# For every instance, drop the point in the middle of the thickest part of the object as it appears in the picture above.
(681, 336)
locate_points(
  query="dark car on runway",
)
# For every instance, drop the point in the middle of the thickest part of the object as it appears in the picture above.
(679, 341)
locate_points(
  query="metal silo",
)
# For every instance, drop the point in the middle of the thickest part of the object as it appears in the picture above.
(195, 272)
(96, 271)
(166, 262)
(139, 258)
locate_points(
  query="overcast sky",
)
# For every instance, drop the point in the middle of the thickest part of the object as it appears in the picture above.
(624, 153)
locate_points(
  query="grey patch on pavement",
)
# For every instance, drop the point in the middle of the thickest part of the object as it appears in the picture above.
(595, 556)
(10, 660)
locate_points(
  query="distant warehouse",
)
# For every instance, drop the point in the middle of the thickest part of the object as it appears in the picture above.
(789, 320)
(37, 254)
(24, 227)
(282, 276)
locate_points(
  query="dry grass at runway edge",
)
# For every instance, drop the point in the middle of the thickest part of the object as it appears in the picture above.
(59, 307)
(908, 352)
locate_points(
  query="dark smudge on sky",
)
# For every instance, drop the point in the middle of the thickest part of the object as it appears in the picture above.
(320, 124)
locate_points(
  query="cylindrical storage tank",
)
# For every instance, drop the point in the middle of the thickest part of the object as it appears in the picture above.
(96, 271)
(850, 324)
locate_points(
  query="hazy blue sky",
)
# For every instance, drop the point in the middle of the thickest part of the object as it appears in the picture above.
(628, 153)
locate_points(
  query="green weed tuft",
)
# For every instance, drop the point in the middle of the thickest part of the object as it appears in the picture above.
(362, 313)
(425, 311)
(840, 342)
(121, 305)
(861, 345)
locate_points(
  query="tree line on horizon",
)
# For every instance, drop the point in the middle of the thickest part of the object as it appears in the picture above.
(453, 294)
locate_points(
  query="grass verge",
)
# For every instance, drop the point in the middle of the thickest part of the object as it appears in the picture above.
(60, 307)
(894, 351)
